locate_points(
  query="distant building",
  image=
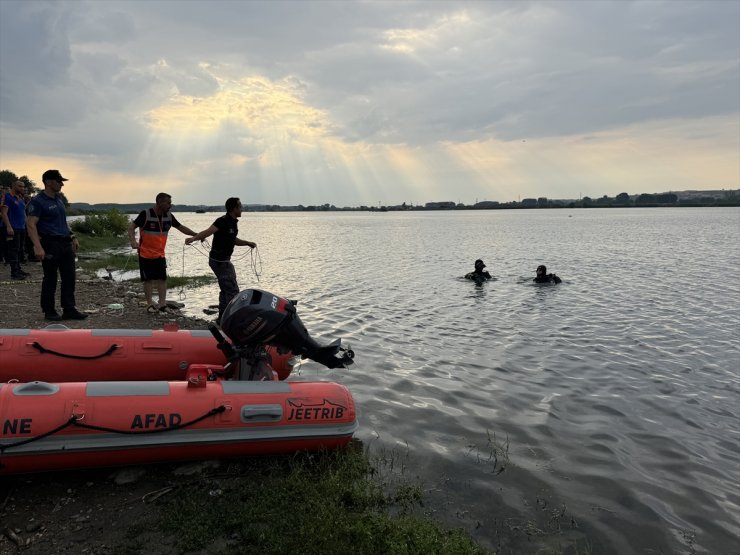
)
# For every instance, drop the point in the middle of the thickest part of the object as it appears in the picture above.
(529, 203)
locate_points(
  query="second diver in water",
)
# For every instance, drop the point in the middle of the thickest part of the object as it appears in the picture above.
(479, 275)
(544, 277)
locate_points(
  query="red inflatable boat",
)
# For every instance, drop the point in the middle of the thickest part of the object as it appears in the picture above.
(59, 354)
(48, 426)
(112, 397)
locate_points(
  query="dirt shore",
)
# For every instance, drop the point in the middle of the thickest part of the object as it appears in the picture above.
(21, 308)
(84, 511)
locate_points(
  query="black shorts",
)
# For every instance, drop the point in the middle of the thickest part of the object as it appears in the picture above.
(152, 269)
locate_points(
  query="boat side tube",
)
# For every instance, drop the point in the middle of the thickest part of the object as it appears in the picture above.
(60, 354)
(50, 426)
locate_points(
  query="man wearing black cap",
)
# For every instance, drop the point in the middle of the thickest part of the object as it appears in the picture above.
(56, 246)
(478, 275)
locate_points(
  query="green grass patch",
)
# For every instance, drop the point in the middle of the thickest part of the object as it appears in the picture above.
(96, 243)
(321, 503)
(174, 282)
(110, 261)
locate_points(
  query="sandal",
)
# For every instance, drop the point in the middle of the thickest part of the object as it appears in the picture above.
(151, 309)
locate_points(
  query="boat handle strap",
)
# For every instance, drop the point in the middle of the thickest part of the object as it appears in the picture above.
(38, 346)
(76, 421)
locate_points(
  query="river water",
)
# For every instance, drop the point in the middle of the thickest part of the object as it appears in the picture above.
(605, 409)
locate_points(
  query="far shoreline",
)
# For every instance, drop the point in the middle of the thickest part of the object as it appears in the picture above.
(733, 200)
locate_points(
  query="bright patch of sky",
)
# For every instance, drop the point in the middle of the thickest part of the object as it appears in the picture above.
(352, 102)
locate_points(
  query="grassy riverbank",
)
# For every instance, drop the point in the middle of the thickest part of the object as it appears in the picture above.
(324, 503)
(344, 501)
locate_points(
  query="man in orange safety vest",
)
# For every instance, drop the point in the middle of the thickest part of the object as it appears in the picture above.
(154, 224)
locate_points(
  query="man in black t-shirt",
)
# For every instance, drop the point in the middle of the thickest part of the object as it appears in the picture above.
(224, 231)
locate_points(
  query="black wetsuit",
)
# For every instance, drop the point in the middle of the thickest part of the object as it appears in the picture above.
(478, 277)
(549, 278)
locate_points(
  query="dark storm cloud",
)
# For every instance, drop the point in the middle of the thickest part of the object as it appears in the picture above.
(49, 81)
(535, 69)
(556, 69)
(35, 58)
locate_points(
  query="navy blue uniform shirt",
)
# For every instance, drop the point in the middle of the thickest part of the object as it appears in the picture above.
(51, 214)
(16, 211)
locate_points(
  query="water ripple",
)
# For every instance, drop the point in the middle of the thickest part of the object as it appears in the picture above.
(611, 399)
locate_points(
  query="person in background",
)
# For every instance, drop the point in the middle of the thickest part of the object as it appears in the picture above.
(154, 224)
(27, 250)
(3, 227)
(224, 231)
(543, 277)
(56, 246)
(479, 275)
(14, 219)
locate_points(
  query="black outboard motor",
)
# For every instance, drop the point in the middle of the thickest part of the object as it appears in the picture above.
(255, 317)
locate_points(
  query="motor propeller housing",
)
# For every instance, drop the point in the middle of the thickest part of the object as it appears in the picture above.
(256, 317)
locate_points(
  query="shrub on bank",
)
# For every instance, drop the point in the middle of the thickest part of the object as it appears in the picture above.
(108, 224)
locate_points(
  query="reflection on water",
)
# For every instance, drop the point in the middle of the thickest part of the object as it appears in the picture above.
(614, 395)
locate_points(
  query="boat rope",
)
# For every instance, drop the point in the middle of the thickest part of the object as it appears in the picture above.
(128, 259)
(256, 260)
(181, 292)
(121, 272)
(254, 254)
(42, 436)
(36, 345)
(76, 421)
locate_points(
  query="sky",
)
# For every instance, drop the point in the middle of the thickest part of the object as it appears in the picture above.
(367, 102)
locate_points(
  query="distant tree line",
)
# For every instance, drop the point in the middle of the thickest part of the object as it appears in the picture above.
(686, 198)
(697, 198)
(622, 200)
(726, 198)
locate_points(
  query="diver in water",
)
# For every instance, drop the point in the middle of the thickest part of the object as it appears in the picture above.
(479, 275)
(544, 277)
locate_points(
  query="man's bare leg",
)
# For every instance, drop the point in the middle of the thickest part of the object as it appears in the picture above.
(148, 288)
(162, 291)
